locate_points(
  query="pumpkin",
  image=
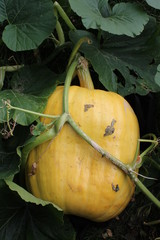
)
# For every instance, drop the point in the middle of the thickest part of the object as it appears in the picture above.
(71, 173)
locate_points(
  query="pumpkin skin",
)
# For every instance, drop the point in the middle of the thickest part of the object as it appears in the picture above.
(72, 174)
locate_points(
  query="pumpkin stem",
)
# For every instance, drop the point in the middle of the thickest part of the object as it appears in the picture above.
(84, 74)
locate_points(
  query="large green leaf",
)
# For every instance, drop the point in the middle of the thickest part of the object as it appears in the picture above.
(30, 89)
(122, 63)
(29, 23)
(23, 216)
(124, 18)
(154, 3)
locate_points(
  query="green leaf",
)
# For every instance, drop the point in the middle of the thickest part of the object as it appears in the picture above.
(38, 129)
(123, 64)
(154, 3)
(104, 8)
(157, 76)
(35, 80)
(28, 197)
(9, 162)
(23, 101)
(29, 23)
(124, 18)
(24, 216)
(31, 87)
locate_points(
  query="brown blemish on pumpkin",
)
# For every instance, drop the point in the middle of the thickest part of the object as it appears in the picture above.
(115, 187)
(88, 106)
(110, 128)
(33, 169)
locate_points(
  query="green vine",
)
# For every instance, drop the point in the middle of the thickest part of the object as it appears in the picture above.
(9, 107)
(139, 158)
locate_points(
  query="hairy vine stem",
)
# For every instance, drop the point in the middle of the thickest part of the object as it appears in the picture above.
(125, 168)
(104, 153)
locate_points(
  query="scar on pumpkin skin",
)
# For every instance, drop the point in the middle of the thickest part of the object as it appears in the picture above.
(115, 187)
(87, 106)
(34, 165)
(110, 129)
(33, 170)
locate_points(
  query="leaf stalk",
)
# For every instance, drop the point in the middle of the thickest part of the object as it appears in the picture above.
(64, 16)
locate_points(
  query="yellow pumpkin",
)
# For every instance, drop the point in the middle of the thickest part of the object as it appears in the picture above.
(72, 174)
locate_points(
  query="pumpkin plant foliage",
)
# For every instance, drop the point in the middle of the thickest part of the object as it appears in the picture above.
(123, 18)
(118, 56)
(123, 56)
(30, 88)
(9, 161)
(157, 76)
(29, 23)
(34, 213)
(154, 3)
